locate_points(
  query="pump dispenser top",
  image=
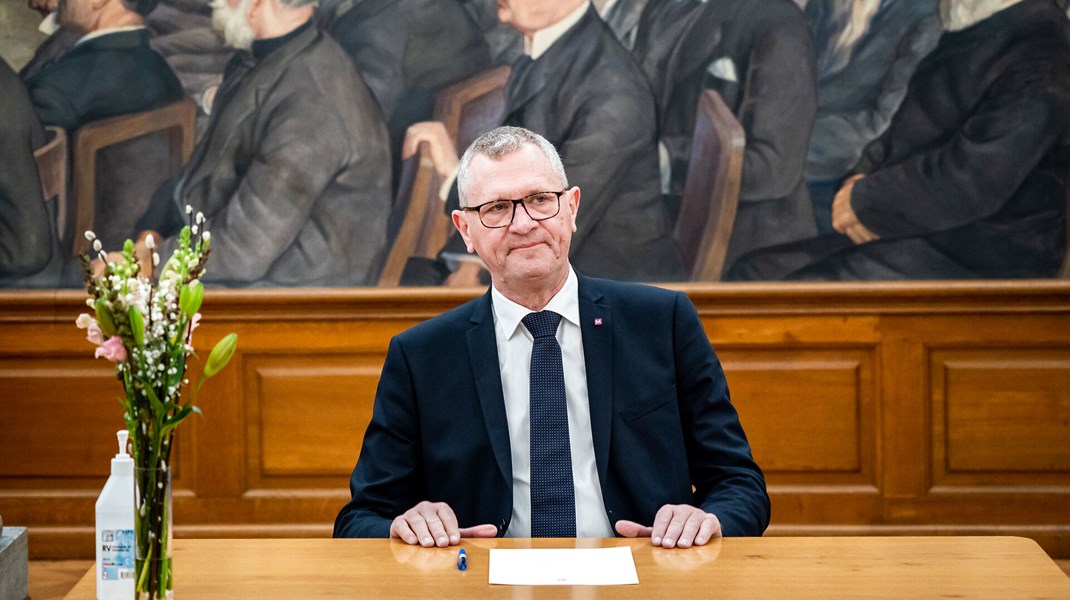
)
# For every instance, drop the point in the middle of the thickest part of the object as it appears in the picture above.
(122, 464)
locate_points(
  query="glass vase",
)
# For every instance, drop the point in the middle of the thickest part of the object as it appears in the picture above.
(152, 529)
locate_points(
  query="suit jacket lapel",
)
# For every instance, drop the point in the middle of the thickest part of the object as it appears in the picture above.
(483, 352)
(596, 324)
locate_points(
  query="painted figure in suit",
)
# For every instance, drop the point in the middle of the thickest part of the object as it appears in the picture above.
(867, 50)
(759, 57)
(111, 70)
(969, 181)
(293, 171)
(581, 90)
(180, 30)
(407, 51)
(642, 414)
(26, 230)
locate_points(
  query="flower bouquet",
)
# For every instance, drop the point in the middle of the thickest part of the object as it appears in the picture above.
(147, 331)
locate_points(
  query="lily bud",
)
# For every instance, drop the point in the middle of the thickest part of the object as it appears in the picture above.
(190, 298)
(221, 354)
(105, 319)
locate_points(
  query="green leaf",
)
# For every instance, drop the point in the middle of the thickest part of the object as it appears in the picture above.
(180, 370)
(157, 406)
(220, 355)
(137, 325)
(172, 422)
(105, 318)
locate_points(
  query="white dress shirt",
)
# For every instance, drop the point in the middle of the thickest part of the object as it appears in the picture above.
(542, 39)
(514, 359)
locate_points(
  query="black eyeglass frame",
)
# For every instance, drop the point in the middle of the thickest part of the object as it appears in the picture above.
(519, 201)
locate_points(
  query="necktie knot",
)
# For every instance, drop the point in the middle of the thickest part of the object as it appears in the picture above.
(542, 324)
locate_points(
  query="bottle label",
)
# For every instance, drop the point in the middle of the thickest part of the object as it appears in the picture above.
(116, 554)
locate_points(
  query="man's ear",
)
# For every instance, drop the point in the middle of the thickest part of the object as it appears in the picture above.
(461, 224)
(574, 205)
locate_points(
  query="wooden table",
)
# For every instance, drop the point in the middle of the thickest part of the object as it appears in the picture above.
(841, 567)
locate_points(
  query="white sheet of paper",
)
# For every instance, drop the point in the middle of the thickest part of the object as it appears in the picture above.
(565, 566)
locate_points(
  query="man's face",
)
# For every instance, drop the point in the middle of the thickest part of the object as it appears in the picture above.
(231, 17)
(526, 254)
(77, 15)
(529, 16)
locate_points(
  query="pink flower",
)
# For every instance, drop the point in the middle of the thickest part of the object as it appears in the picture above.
(193, 323)
(112, 349)
(93, 332)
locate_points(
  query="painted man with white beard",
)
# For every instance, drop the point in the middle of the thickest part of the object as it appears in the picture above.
(969, 180)
(293, 170)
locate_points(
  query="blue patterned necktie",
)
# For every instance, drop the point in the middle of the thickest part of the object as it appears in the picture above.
(553, 500)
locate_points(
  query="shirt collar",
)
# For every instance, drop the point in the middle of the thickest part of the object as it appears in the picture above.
(542, 39)
(110, 30)
(508, 314)
(262, 48)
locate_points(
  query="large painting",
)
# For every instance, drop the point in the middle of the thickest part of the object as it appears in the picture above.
(712, 140)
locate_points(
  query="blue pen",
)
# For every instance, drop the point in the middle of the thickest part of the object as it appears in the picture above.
(462, 560)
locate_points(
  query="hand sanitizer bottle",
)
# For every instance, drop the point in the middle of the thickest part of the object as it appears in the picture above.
(115, 529)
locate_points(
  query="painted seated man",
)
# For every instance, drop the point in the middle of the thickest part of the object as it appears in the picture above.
(578, 87)
(110, 70)
(969, 181)
(293, 171)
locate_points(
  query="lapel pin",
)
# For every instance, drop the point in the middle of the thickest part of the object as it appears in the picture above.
(598, 321)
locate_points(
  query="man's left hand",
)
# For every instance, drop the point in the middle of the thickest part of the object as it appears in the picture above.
(676, 526)
(844, 218)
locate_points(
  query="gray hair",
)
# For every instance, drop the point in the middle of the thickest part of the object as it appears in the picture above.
(299, 3)
(499, 142)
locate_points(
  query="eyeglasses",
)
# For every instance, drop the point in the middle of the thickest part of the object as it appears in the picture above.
(500, 213)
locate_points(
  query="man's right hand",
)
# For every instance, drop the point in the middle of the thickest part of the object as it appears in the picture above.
(443, 153)
(434, 524)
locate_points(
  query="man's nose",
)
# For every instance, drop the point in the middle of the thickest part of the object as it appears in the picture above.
(522, 221)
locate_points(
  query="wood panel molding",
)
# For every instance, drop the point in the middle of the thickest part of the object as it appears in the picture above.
(875, 409)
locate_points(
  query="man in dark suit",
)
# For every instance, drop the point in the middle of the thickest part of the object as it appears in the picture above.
(969, 181)
(26, 230)
(110, 70)
(407, 51)
(579, 88)
(293, 171)
(759, 57)
(642, 411)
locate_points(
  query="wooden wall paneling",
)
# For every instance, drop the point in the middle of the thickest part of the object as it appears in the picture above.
(917, 408)
(806, 390)
(1001, 417)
